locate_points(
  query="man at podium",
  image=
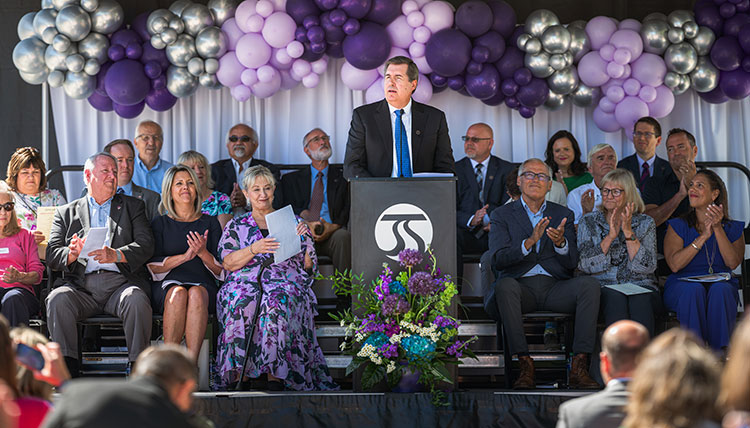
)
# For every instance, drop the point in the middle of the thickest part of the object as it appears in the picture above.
(398, 137)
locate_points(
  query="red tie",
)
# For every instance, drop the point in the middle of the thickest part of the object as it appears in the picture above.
(644, 176)
(316, 200)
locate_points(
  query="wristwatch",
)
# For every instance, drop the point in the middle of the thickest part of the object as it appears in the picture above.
(119, 256)
(632, 237)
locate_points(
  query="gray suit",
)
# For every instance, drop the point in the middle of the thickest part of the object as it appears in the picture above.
(604, 409)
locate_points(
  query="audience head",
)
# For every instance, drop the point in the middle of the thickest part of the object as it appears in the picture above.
(7, 357)
(620, 190)
(675, 384)
(478, 142)
(100, 176)
(258, 185)
(317, 145)
(511, 184)
(735, 388)
(124, 153)
(28, 386)
(563, 153)
(8, 220)
(400, 74)
(622, 342)
(681, 148)
(148, 140)
(179, 187)
(174, 369)
(242, 141)
(26, 171)
(601, 160)
(534, 179)
(646, 136)
(704, 189)
(202, 169)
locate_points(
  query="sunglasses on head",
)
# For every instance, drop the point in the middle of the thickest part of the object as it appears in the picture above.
(243, 138)
(8, 206)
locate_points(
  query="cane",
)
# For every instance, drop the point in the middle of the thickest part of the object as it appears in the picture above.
(267, 262)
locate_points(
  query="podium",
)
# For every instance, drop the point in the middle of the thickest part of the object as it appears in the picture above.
(389, 215)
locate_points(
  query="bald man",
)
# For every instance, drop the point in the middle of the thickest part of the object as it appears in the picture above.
(622, 342)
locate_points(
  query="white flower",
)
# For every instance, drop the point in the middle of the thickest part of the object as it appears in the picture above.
(391, 367)
(342, 323)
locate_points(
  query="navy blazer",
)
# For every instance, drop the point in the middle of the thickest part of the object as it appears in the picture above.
(296, 188)
(369, 149)
(662, 169)
(224, 177)
(467, 195)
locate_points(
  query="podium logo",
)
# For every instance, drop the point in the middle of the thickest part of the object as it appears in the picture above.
(403, 226)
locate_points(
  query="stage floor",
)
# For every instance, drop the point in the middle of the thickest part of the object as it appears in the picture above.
(473, 408)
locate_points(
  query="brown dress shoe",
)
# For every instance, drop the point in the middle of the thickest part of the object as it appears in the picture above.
(526, 377)
(579, 374)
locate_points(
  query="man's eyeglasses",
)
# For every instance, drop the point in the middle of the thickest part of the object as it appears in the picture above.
(8, 206)
(474, 140)
(614, 192)
(639, 134)
(531, 176)
(318, 139)
(235, 138)
(148, 137)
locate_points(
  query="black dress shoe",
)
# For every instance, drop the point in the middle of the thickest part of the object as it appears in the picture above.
(275, 385)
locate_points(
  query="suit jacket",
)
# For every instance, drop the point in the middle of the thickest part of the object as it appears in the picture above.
(603, 409)
(296, 188)
(141, 402)
(129, 229)
(369, 150)
(148, 196)
(467, 196)
(662, 169)
(224, 177)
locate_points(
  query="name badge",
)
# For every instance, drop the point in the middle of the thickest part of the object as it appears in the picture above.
(4, 250)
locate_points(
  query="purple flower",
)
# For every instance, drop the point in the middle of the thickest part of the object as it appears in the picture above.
(389, 350)
(444, 322)
(391, 328)
(409, 257)
(422, 284)
(455, 349)
(394, 304)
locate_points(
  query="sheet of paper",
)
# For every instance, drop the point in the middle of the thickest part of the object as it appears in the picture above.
(44, 217)
(431, 174)
(95, 240)
(628, 288)
(714, 277)
(282, 226)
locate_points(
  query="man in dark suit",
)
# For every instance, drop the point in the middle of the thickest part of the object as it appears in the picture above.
(622, 342)
(320, 195)
(158, 395)
(124, 152)
(644, 163)
(110, 279)
(242, 142)
(481, 189)
(533, 247)
(420, 142)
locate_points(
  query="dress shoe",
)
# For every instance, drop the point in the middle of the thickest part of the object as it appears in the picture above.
(275, 385)
(526, 377)
(579, 374)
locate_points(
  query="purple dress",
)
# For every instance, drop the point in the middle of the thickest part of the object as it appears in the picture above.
(284, 342)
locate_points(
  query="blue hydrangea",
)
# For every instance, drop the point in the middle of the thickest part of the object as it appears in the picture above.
(377, 339)
(418, 348)
(395, 287)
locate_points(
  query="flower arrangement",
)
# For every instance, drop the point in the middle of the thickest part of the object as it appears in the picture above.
(404, 324)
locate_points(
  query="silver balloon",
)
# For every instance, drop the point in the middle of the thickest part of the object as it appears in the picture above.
(569, 59)
(211, 42)
(195, 66)
(34, 78)
(539, 20)
(703, 41)
(655, 16)
(579, 23)
(180, 82)
(158, 15)
(679, 17)
(521, 41)
(73, 22)
(555, 101)
(159, 25)
(56, 60)
(705, 77)
(25, 28)
(44, 19)
(676, 35)
(180, 52)
(209, 81)
(538, 64)
(671, 80)
(222, 10)
(61, 43)
(579, 42)
(28, 55)
(533, 46)
(196, 17)
(177, 25)
(157, 42)
(47, 4)
(168, 36)
(56, 78)
(683, 86)
(89, 5)
(556, 39)
(92, 67)
(94, 46)
(691, 29)
(654, 36)
(49, 35)
(179, 6)
(75, 62)
(563, 81)
(60, 4)
(557, 61)
(584, 96)
(681, 58)
(211, 65)
(108, 17)
(79, 85)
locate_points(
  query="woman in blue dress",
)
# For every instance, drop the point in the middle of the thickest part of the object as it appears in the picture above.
(704, 241)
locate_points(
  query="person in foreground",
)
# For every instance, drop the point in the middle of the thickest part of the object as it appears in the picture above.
(622, 343)
(675, 384)
(735, 389)
(284, 346)
(704, 241)
(158, 395)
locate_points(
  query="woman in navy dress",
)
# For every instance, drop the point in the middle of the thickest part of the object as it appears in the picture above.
(704, 241)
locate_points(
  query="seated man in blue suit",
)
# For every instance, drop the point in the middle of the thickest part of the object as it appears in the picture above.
(533, 249)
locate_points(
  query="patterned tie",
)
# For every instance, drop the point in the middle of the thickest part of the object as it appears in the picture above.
(644, 176)
(402, 147)
(480, 181)
(316, 200)
(120, 191)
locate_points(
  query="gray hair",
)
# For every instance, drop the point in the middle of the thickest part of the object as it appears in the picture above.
(197, 157)
(304, 139)
(253, 133)
(91, 160)
(254, 173)
(598, 148)
(170, 364)
(522, 168)
(148, 122)
(167, 204)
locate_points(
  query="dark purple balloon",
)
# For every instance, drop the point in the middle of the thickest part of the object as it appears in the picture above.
(124, 37)
(504, 17)
(369, 48)
(384, 12)
(300, 34)
(438, 80)
(527, 112)
(522, 76)
(727, 10)
(316, 34)
(160, 99)
(534, 94)
(494, 42)
(707, 14)
(311, 21)
(464, 92)
(495, 100)
(311, 56)
(480, 54)
(150, 53)
(335, 50)
(333, 33)
(448, 52)
(338, 17)
(733, 25)
(351, 26)
(735, 84)
(746, 63)
(513, 39)
(512, 102)
(509, 87)
(326, 4)
(139, 26)
(152, 69)
(438, 89)
(100, 102)
(726, 54)
(474, 18)
(116, 52)
(159, 82)
(134, 51)
(100, 79)
(473, 68)
(126, 83)
(743, 37)
(355, 8)
(456, 82)
(485, 84)
(301, 9)
(715, 96)
(743, 6)
(129, 112)
(511, 61)
(734, 1)
(318, 48)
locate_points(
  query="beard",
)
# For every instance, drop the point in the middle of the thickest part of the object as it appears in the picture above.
(322, 154)
(239, 151)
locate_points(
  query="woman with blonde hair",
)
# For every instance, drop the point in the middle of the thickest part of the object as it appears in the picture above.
(735, 388)
(213, 202)
(28, 386)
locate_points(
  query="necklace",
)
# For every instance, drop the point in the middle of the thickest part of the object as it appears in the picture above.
(711, 261)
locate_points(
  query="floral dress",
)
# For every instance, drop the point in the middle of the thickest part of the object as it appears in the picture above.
(26, 205)
(217, 203)
(284, 342)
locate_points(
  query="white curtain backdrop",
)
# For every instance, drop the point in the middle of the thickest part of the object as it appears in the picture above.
(201, 121)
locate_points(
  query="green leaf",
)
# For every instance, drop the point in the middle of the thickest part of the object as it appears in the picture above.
(394, 377)
(372, 375)
(354, 365)
(441, 372)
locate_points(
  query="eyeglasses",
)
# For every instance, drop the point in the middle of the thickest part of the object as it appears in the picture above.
(474, 140)
(531, 176)
(235, 138)
(638, 134)
(318, 139)
(614, 192)
(8, 206)
(149, 137)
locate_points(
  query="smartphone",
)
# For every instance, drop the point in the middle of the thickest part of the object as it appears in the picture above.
(29, 357)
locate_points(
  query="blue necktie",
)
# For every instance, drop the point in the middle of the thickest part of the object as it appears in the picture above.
(402, 147)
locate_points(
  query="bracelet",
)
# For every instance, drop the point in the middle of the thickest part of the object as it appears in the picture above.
(692, 244)
(119, 256)
(251, 250)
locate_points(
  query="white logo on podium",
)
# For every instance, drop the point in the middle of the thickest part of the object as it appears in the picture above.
(403, 226)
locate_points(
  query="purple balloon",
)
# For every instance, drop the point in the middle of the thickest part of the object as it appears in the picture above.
(743, 37)
(160, 99)
(727, 10)
(100, 102)
(504, 17)
(129, 112)
(473, 68)
(649, 69)
(743, 6)
(338, 17)
(474, 18)
(326, 4)
(152, 69)
(100, 78)
(512, 102)
(124, 38)
(311, 56)
(384, 12)
(139, 26)
(159, 82)
(480, 54)
(335, 50)
(726, 54)
(592, 69)
(116, 52)
(511, 61)
(605, 121)
(522, 76)
(599, 29)
(333, 33)
(369, 48)
(311, 21)
(485, 84)
(663, 104)
(126, 83)
(534, 94)
(707, 14)
(715, 96)
(438, 80)
(438, 89)
(495, 100)
(448, 52)
(316, 34)
(150, 53)
(493, 42)
(733, 25)
(356, 9)
(746, 63)
(735, 84)
(456, 82)
(526, 112)
(301, 9)
(318, 48)
(134, 51)
(351, 26)
(300, 34)
(509, 87)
